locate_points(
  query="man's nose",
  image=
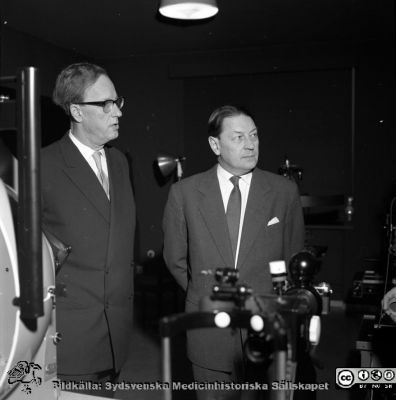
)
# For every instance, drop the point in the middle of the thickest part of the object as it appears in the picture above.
(249, 143)
(117, 111)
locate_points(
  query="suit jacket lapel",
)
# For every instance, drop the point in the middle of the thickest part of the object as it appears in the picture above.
(256, 214)
(114, 174)
(84, 177)
(212, 211)
(115, 182)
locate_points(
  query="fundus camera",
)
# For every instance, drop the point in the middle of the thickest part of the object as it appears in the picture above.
(286, 321)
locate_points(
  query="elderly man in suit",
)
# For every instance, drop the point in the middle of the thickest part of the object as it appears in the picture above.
(88, 204)
(234, 215)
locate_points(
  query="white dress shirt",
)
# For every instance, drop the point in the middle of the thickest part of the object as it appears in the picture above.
(226, 187)
(87, 154)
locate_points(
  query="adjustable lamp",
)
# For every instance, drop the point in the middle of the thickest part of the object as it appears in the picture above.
(188, 10)
(168, 163)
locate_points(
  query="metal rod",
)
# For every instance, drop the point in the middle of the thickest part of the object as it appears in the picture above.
(8, 79)
(166, 367)
(280, 372)
(29, 204)
(353, 127)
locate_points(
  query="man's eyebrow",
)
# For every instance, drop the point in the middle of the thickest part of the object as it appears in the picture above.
(237, 130)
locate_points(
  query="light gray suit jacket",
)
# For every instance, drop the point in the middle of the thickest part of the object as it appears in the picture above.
(196, 239)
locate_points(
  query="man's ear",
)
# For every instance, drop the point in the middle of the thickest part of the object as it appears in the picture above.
(214, 145)
(76, 112)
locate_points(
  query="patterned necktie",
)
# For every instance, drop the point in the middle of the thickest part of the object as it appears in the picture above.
(103, 179)
(233, 213)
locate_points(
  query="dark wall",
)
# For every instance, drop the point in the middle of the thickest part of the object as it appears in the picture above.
(304, 115)
(21, 50)
(152, 122)
(18, 50)
(163, 115)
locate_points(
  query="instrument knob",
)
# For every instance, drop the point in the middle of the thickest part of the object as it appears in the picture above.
(257, 323)
(57, 337)
(222, 319)
(51, 290)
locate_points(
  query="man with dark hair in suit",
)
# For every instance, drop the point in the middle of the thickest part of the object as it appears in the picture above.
(234, 215)
(88, 204)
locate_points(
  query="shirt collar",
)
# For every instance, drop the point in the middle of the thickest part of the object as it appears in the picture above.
(85, 150)
(224, 175)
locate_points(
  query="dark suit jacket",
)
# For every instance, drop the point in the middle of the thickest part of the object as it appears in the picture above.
(94, 314)
(196, 238)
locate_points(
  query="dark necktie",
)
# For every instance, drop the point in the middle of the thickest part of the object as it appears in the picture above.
(233, 213)
(101, 175)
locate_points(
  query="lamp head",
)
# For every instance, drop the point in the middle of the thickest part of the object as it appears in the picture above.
(166, 164)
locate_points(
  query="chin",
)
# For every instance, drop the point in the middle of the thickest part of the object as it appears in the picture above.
(113, 135)
(249, 165)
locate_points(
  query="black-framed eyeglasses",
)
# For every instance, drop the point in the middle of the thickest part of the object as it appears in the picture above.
(106, 104)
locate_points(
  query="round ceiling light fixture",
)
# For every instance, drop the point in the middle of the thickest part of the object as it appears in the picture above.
(188, 10)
